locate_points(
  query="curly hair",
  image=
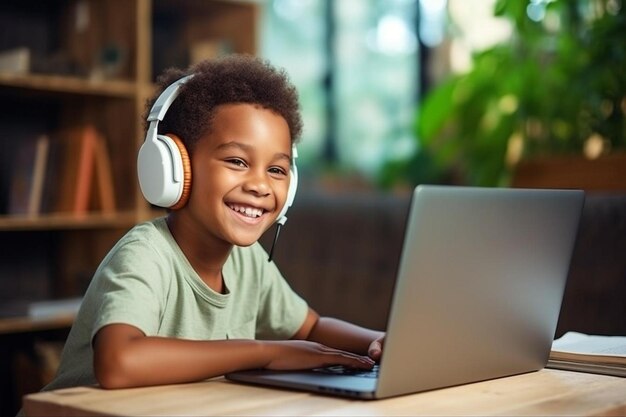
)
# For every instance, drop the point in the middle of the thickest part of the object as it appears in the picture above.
(227, 80)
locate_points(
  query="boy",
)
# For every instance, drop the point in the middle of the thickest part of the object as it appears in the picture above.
(192, 295)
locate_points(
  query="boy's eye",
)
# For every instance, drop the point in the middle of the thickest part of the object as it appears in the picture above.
(277, 171)
(236, 161)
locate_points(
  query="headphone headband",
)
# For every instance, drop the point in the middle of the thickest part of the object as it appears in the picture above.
(165, 99)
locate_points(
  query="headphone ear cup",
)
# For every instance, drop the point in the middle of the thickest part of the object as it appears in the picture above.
(186, 184)
(164, 171)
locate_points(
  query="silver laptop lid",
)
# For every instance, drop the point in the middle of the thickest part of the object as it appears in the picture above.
(479, 287)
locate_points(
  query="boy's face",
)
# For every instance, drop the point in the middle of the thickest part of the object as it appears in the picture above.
(240, 173)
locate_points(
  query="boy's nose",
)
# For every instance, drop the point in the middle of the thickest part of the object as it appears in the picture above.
(257, 184)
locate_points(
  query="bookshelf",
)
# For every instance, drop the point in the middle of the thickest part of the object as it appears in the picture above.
(67, 65)
(93, 63)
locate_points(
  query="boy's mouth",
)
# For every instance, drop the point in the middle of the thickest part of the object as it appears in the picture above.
(247, 211)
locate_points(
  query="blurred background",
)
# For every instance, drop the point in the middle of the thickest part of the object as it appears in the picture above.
(399, 92)
(394, 93)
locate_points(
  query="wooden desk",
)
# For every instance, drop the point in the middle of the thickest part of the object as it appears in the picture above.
(547, 392)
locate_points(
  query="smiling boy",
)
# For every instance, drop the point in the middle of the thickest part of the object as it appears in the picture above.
(192, 295)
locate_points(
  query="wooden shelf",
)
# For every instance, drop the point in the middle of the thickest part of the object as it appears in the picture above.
(129, 42)
(69, 37)
(28, 324)
(71, 85)
(60, 221)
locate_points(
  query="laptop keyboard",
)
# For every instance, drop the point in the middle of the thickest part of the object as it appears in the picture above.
(343, 370)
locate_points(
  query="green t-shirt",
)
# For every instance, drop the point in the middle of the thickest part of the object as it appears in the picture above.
(147, 282)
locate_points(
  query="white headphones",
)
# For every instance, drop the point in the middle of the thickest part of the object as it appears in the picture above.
(164, 167)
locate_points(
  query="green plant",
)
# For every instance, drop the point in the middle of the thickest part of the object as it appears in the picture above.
(557, 85)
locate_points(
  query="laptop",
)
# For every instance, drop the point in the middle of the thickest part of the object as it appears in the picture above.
(477, 295)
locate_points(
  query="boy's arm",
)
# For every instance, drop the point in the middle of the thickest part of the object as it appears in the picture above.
(125, 357)
(342, 335)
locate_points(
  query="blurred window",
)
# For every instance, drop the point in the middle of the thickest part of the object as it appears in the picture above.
(355, 64)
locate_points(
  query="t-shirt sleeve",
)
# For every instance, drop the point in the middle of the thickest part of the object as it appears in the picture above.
(281, 310)
(130, 289)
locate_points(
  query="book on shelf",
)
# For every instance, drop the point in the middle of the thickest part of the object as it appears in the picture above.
(39, 175)
(105, 195)
(28, 174)
(21, 176)
(15, 60)
(84, 179)
(51, 178)
(589, 353)
(76, 168)
(68, 171)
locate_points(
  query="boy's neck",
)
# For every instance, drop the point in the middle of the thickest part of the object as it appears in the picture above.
(206, 254)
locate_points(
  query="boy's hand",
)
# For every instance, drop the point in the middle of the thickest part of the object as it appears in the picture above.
(375, 350)
(303, 354)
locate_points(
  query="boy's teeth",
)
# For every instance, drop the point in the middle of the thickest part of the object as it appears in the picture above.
(248, 211)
